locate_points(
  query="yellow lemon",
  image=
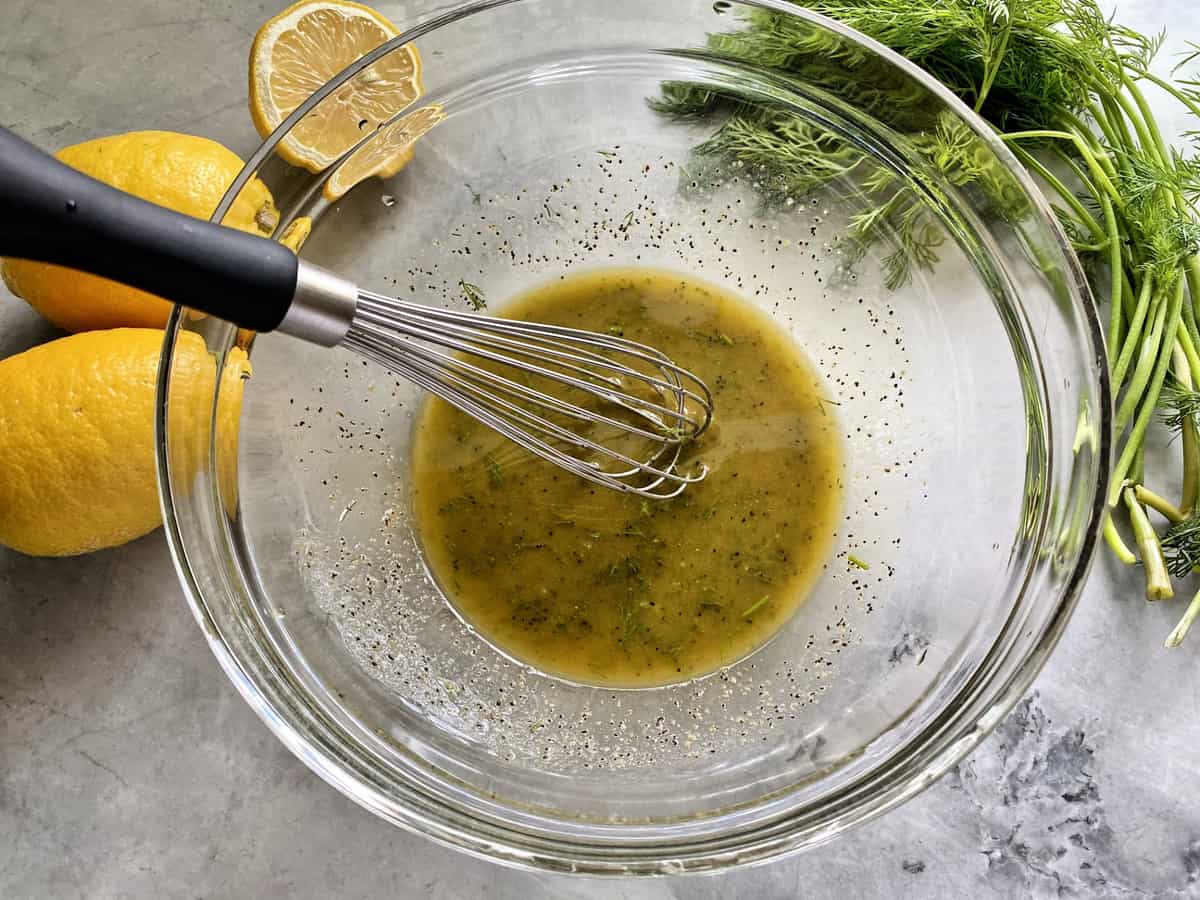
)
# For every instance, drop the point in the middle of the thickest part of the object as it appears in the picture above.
(186, 173)
(296, 234)
(77, 436)
(302, 48)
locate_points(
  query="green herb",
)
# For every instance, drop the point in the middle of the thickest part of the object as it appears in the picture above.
(1064, 87)
(1178, 405)
(1181, 546)
(754, 607)
(494, 474)
(630, 625)
(462, 501)
(473, 294)
(713, 337)
(856, 562)
(627, 569)
(760, 573)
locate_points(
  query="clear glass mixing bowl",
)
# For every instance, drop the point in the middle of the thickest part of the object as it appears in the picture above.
(973, 399)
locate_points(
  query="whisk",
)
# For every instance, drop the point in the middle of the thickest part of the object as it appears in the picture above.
(610, 410)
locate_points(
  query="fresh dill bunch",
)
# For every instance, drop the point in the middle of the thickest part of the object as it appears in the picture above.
(1063, 86)
(789, 156)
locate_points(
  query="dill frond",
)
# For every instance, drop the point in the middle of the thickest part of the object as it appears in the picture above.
(1181, 547)
(1178, 404)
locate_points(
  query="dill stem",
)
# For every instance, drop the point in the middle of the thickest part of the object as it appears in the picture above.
(1116, 543)
(1133, 114)
(1081, 145)
(1179, 632)
(1128, 295)
(1112, 126)
(1188, 346)
(1116, 121)
(748, 612)
(1190, 447)
(1158, 582)
(1116, 311)
(1189, 439)
(1179, 95)
(1080, 176)
(1087, 137)
(1158, 503)
(1104, 122)
(1132, 336)
(1138, 432)
(1191, 270)
(1152, 348)
(1190, 331)
(1086, 219)
(992, 67)
(1151, 127)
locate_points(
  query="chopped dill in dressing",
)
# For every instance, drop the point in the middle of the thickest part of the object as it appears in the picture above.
(614, 589)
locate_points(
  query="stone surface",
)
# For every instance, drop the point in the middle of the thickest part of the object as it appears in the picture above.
(130, 768)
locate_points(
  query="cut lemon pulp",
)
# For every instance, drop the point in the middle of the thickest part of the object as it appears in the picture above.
(387, 153)
(301, 49)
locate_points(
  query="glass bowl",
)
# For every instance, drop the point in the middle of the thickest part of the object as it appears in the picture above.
(961, 356)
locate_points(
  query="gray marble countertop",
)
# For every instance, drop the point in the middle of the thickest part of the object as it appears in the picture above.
(129, 767)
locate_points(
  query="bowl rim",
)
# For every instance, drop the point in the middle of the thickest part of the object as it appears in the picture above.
(921, 760)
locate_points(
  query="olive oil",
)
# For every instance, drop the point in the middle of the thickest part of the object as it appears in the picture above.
(608, 588)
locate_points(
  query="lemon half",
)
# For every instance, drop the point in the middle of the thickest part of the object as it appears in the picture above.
(301, 49)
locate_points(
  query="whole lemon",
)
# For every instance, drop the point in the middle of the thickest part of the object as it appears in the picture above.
(77, 470)
(181, 171)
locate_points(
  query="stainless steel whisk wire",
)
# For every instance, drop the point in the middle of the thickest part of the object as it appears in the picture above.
(564, 356)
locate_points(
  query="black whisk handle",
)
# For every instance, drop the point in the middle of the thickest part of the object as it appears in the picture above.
(52, 213)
